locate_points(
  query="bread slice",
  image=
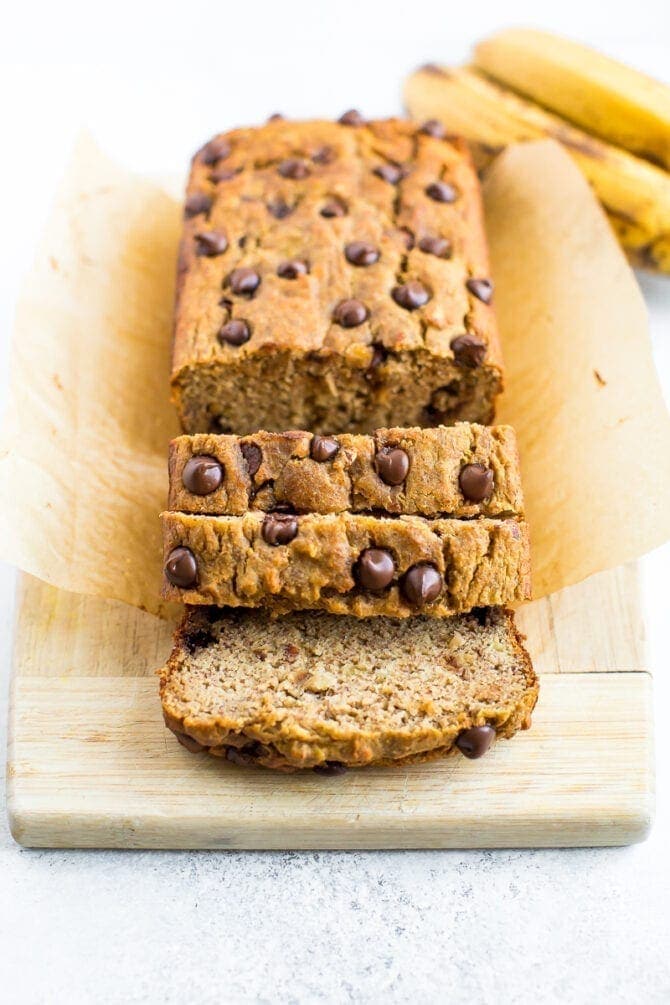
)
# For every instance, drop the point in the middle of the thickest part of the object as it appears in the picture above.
(464, 470)
(315, 691)
(346, 563)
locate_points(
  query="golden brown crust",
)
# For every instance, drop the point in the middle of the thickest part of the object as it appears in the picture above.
(299, 367)
(285, 473)
(482, 562)
(314, 690)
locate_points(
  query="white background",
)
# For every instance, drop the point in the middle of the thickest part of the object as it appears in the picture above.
(152, 82)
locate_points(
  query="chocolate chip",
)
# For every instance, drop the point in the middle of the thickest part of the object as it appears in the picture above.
(476, 482)
(280, 209)
(235, 332)
(325, 155)
(474, 742)
(410, 295)
(332, 208)
(216, 150)
(468, 350)
(244, 757)
(351, 118)
(279, 528)
(481, 288)
(407, 237)
(392, 465)
(276, 117)
(253, 455)
(181, 568)
(379, 356)
(191, 745)
(197, 203)
(244, 282)
(198, 638)
(350, 313)
(223, 174)
(292, 269)
(421, 584)
(440, 191)
(330, 768)
(392, 173)
(210, 243)
(202, 475)
(375, 569)
(361, 253)
(438, 246)
(323, 448)
(293, 168)
(434, 128)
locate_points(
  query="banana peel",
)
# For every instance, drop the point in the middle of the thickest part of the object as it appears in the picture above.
(634, 193)
(596, 93)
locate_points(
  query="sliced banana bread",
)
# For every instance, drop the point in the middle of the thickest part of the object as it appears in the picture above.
(464, 470)
(346, 563)
(314, 691)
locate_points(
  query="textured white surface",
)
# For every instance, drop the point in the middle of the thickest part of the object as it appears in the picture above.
(571, 926)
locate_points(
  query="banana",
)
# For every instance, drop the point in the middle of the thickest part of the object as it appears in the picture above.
(634, 193)
(604, 97)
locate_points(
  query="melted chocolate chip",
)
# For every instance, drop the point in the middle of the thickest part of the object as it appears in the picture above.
(392, 465)
(197, 638)
(407, 237)
(410, 295)
(438, 246)
(421, 584)
(223, 174)
(181, 568)
(441, 191)
(216, 150)
(279, 209)
(276, 117)
(333, 208)
(375, 569)
(434, 128)
(361, 253)
(279, 528)
(392, 173)
(481, 288)
(244, 757)
(350, 313)
(476, 482)
(330, 768)
(292, 269)
(468, 350)
(474, 742)
(235, 332)
(323, 448)
(294, 168)
(202, 474)
(325, 155)
(351, 118)
(253, 455)
(379, 356)
(197, 203)
(210, 243)
(244, 282)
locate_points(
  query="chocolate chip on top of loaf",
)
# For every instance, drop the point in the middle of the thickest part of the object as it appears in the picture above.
(333, 276)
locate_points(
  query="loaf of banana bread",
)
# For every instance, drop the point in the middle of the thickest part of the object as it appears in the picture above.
(333, 277)
(462, 471)
(345, 563)
(314, 691)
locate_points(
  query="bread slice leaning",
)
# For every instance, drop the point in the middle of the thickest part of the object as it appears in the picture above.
(312, 690)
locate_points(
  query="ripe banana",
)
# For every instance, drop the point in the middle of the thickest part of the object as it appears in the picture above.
(635, 194)
(599, 94)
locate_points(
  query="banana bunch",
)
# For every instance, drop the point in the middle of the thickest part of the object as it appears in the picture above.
(613, 121)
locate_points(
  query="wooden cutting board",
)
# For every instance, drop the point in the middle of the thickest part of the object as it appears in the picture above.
(92, 765)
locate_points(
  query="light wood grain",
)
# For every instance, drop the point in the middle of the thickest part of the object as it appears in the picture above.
(91, 763)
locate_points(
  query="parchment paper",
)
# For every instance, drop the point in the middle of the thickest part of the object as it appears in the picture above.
(83, 450)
